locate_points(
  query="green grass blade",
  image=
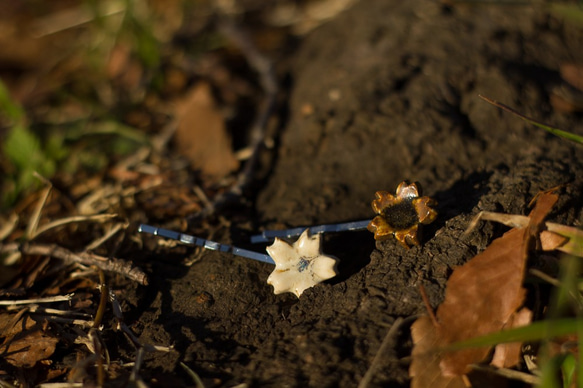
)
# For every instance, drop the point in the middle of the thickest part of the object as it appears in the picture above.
(568, 368)
(569, 12)
(555, 131)
(8, 107)
(579, 361)
(533, 332)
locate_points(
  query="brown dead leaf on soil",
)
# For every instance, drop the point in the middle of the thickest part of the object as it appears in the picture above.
(201, 135)
(482, 297)
(573, 74)
(568, 97)
(424, 370)
(508, 355)
(25, 352)
(552, 236)
(25, 342)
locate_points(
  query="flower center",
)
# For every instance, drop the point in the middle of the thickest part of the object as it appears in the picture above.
(303, 264)
(401, 215)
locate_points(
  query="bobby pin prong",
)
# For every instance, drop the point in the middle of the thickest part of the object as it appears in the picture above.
(207, 244)
(270, 235)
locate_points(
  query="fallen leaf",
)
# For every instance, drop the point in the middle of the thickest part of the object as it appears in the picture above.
(567, 97)
(564, 238)
(424, 370)
(550, 241)
(7, 225)
(565, 102)
(201, 135)
(480, 298)
(574, 245)
(573, 74)
(123, 68)
(25, 351)
(483, 295)
(508, 355)
(544, 204)
(13, 324)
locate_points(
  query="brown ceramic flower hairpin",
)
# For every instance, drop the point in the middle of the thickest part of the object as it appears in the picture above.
(400, 215)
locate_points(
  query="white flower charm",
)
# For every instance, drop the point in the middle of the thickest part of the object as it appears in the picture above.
(301, 265)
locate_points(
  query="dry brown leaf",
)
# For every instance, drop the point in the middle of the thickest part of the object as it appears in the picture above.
(26, 351)
(13, 324)
(568, 96)
(424, 370)
(483, 294)
(480, 298)
(574, 243)
(123, 68)
(550, 241)
(573, 74)
(544, 203)
(201, 135)
(563, 102)
(508, 355)
(7, 225)
(568, 239)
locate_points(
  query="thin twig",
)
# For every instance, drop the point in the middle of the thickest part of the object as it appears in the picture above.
(510, 374)
(428, 306)
(71, 220)
(541, 275)
(104, 289)
(8, 225)
(48, 311)
(112, 265)
(193, 375)
(94, 337)
(70, 321)
(35, 217)
(388, 341)
(116, 228)
(140, 347)
(50, 299)
(117, 312)
(265, 69)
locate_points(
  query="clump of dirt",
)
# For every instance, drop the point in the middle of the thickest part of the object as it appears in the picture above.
(386, 92)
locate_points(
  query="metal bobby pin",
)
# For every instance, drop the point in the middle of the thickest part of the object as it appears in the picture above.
(207, 244)
(270, 235)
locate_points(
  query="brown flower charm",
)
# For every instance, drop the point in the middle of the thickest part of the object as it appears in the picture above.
(400, 215)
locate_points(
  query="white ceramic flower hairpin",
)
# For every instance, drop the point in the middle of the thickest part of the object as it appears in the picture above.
(302, 265)
(298, 266)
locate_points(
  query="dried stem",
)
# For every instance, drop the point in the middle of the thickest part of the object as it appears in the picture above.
(140, 347)
(86, 258)
(265, 69)
(35, 217)
(104, 289)
(71, 220)
(388, 341)
(50, 299)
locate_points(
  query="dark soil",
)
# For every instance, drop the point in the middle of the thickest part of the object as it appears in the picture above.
(386, 92)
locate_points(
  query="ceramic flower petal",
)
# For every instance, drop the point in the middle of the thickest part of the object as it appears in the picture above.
(426, 214)
(300, 265)
(407, 191)
(285, 252)
(400, 215)
(383, 199)
(325, 267)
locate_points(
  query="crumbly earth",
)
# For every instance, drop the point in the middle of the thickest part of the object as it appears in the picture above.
(386, 92)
